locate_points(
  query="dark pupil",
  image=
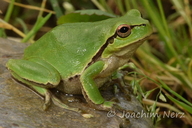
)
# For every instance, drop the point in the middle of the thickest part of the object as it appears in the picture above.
(124, 29)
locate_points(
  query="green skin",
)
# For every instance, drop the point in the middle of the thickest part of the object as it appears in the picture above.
(78, 58)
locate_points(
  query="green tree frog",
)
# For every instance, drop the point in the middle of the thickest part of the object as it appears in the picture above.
(78, 58)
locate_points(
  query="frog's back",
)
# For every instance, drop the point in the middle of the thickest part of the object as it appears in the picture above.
(68, 47)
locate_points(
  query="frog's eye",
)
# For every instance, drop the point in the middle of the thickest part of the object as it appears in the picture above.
(123, 30)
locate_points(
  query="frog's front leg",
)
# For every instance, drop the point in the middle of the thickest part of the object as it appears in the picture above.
(90, 89)
(39, 76)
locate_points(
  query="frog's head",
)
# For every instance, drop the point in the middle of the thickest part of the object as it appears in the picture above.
(129, 32)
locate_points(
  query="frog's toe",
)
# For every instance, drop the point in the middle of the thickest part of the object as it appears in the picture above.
(47, 100)
(59, 103)
(108, 104)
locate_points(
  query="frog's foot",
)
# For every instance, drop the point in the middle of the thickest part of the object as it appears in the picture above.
(57, 102)
(48, 96)
(105, 105)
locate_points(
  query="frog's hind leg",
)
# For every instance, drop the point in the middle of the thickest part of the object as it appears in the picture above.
(36, 74)
(39, 76)
(48, 96)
